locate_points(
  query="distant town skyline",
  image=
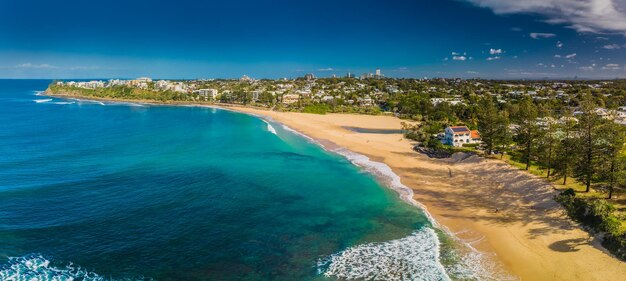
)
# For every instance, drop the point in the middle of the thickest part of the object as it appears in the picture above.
(492, 39)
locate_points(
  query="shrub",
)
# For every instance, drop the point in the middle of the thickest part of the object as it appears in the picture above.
(317, 108)
(598, 215)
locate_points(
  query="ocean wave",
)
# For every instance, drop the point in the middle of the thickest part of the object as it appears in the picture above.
(269, 127)
(468, 263)
(415, 257)
(42, 100)
(38, 93)
(64, 102)
(36, 267)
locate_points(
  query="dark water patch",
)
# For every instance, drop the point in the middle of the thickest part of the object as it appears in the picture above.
(374, 131)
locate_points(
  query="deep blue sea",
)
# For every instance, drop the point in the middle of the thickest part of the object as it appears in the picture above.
(99, 190)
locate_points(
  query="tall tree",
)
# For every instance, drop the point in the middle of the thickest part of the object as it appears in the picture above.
(611, 162)
(488, 124)
(503, 135)
(565, 135)
(527, 132)
(548, 137)
(587, 142)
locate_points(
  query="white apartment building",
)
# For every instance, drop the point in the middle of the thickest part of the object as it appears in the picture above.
(459, 135)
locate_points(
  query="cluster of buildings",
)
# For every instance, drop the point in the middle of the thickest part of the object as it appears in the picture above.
(370, 89)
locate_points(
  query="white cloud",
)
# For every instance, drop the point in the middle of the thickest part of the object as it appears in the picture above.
(557, 56)
(36, 66)
(493, 58)
(611, 47)
(471, 72)
(326, 69)
(586, 68)
(559, 44)
(495, 51)
(594, 16)
(611, 66)
(461, 58)
(570, 56)
(538, 35)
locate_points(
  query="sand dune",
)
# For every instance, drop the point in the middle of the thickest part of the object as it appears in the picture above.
(529, 234)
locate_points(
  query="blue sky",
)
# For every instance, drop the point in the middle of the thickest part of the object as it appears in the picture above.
(501, 39)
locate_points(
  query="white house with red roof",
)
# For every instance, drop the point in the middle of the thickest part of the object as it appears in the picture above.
(460, 135)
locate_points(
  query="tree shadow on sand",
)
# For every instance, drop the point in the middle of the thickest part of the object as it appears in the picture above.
(569, 245)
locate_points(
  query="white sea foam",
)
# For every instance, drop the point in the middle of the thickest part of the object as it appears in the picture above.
(415, 257)
(42, 100)
(64, 102)
(269, 127)
(36, 267)
(38, 93)
(88, 101)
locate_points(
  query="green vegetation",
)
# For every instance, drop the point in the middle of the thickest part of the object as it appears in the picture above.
(599, 216)
(316, 108)
(125, 93)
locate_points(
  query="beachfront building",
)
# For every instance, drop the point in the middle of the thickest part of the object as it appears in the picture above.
(256, 95)
(207, 93)
(459, 135)
(290, 98)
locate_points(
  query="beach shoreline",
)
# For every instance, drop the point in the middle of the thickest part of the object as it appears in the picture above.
(525, 245)
(529, 235)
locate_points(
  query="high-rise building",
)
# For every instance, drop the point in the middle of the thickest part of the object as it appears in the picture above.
(377, 72)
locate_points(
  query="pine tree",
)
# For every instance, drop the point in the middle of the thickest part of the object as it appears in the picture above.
(548, 139)
(488, 124)
(611, 164)
(565, 156)
(527, 132)
(587, 146)
(503, 136)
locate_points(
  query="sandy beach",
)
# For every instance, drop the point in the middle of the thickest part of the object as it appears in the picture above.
(529, 235)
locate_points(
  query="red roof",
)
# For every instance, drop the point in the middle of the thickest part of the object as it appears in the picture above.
(475, 134)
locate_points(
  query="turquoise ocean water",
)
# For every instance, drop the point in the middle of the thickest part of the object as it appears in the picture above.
(93, 190)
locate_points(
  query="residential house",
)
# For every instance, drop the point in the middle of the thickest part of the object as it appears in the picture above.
(290, 98)
(459, 135)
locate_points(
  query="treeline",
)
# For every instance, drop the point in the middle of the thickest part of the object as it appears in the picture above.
(568, 142)
(586, 147)
(123, 93)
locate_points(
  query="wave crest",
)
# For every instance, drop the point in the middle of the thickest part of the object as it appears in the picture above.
(269, 127)
(415, 257)
(36, 267)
